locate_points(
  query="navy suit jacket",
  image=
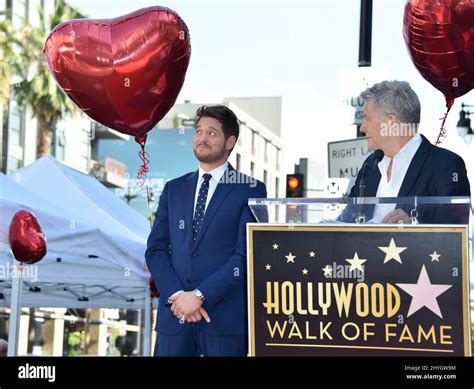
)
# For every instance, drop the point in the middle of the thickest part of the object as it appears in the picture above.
(216, 263)
(433, 171)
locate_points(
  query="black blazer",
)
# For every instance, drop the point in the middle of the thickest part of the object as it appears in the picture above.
(433, 171)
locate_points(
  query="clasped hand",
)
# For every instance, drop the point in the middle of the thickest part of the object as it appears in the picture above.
(187, 307)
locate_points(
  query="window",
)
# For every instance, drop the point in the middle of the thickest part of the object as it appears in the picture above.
(247, 138)
(60, 144)
(265, 177)
(240, 139)
(277, 187)
(84, 149)
(237, 161)
(252, 169)
(273, 155)
(266, 151)
(16, 123)
(278, 156)
(19, 12)
(254, 143)
(261, 147)
(13, 164)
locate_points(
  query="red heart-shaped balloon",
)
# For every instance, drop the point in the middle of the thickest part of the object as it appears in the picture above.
(26, 238)
(440, 39)
(126, 72)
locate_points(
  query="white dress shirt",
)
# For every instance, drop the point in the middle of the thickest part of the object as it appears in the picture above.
(216, 174)
(400, 164)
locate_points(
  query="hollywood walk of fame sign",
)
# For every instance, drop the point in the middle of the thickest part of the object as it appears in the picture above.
(328, 290)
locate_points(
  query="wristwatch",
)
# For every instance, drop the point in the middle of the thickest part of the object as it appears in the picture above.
(199, 295)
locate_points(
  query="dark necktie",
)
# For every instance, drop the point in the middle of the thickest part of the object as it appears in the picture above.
(201, 205)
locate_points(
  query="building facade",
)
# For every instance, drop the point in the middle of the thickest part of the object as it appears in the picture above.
(19, 130)
(259, 149)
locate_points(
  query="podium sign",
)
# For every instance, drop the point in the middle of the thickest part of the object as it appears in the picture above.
(358, 290)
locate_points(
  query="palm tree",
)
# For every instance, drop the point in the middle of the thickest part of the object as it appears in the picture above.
(39, 90)
(8, 57)
(9, 66)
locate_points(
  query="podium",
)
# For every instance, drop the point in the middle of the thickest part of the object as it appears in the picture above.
(327, 278)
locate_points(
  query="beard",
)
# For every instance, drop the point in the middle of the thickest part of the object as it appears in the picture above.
(210, 157)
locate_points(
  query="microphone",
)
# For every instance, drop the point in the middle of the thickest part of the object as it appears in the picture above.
(370, 163)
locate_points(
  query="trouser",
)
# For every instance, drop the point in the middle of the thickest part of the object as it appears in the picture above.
(193, 341)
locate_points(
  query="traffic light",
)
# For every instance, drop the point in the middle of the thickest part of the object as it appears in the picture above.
(295, 185)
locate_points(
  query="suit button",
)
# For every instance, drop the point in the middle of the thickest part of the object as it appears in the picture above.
(188, 280)
(195, 255)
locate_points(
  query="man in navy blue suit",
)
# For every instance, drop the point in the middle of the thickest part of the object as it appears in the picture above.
(410, 165)
(197, 247)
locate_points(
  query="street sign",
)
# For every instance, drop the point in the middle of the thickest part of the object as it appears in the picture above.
(351, 83)
(346, 157)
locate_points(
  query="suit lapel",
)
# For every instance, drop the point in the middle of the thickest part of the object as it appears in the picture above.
(372, 181)
(189, 192)
(221, 192)
(415, 167)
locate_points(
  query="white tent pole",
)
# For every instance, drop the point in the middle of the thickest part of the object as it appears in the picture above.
(147, 326)
(15, 314)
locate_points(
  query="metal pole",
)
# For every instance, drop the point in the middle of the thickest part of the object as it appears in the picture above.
(365, 40)
(15, 314)
(365, 34)
(139, 333)
(147, 326)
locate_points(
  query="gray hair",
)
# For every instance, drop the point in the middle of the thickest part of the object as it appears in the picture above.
(396, 98)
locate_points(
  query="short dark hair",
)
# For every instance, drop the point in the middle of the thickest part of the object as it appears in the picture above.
(230, 123)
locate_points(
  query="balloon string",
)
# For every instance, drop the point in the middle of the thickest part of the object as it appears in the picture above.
(148, 203)
(142, 172)
(143, 169)
(442, 130)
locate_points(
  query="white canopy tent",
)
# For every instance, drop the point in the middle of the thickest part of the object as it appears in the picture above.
(93, 259)
(85, 197)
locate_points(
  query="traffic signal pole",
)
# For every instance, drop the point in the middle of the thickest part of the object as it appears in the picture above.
(365, 39)
(365, 33)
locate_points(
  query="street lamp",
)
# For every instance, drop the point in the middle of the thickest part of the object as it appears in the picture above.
(464, 124)
(129, 196)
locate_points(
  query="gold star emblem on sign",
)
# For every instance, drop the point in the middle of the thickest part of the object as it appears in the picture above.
(392, 252)
(275, 246)
(435, 256)
(290, 258)
(305, 272)
(356, 263)
(312, 254)
(268, 267)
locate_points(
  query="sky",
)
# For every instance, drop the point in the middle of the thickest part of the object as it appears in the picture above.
(297, 50)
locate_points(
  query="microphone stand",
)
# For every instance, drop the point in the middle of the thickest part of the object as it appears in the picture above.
(377, 157)
(360, 219)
